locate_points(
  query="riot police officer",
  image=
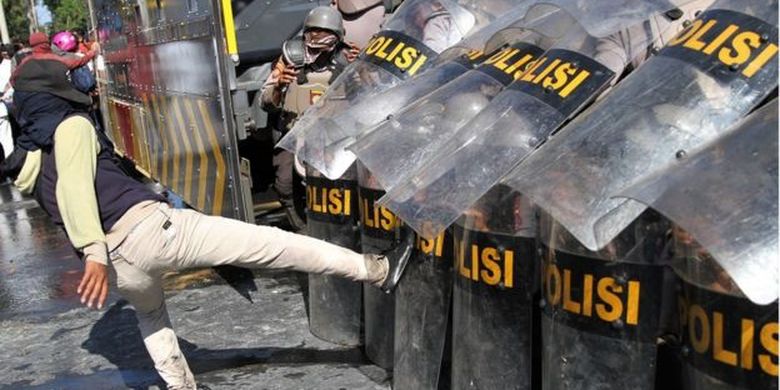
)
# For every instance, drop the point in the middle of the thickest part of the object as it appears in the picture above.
(300, 76)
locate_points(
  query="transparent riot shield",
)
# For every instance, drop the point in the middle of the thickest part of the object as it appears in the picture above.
(404, 141)
(378, 230)
(708, 77)
(565, 79)
(423, 300)
(494, 285)
(725, 195)
(602, 311)
(332, 215)
(408, 43)
(339, 131)
(728, 342)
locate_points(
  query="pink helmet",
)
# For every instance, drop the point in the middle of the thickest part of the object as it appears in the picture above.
(65, 41)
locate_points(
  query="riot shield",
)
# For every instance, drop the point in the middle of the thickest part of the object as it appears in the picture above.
(339, 131)
(408, 43)
(422, 316)
(708, 77)
(728, 342)
(601, 311)
(565, 79)
(332, 215)
(404, 141)
(493, 291)
(378, 229)
(725, 195)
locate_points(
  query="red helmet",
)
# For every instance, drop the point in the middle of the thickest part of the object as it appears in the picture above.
(65, 41)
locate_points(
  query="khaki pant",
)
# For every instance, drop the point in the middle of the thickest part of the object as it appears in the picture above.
(172, 239)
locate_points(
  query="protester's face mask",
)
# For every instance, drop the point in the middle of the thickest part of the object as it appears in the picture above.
(317, 42)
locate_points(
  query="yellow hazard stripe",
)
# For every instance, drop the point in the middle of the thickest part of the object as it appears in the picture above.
(187, 148)
(149, 128)
(161, 131)
(203, 171)
(115, 128)
(219, 182)
(170, 130)
(230, 28)
(138, 139)
(139, 127)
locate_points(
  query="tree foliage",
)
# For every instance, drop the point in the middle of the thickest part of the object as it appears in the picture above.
(68, 14)
(17, 18)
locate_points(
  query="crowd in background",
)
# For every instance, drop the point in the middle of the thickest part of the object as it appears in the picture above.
(65, 43)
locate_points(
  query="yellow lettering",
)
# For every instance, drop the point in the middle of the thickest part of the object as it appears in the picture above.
(375, 44)
(769, 342)
(498, 56)
(686, 33)
(509, 269)
(700, 341)
(395, 51)
(334, 202)
(474, 262)
(546, 71)
(420, 62)
(474, 54)
(315, 205)
(365, 215)
(747, 341)
(721, 39)
(491, 273)
(632, 304)
(461, 249)
(769, 52)
(347, 202)
(388, 219)
(381, 52)
(607, 290)
(581, 77)
(529, 74)
(741, 51)
(408, 54)
(718, 352)
(559, 78)
(526, 58)
(553, 296)
(694, 42)
(501, 63)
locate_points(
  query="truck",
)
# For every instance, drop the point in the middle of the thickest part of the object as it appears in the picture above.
(178, 82)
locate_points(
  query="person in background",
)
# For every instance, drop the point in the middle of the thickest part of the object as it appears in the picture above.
(6, 69)
(83, 46)
(299, 77)
(82, 77)
(43, 93)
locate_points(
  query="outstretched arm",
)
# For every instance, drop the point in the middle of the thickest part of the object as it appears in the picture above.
(75, 149)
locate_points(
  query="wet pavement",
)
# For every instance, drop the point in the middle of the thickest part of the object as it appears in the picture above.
(49, 341)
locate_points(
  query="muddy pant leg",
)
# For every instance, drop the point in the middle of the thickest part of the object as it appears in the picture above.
(192, 240)
(144, 292)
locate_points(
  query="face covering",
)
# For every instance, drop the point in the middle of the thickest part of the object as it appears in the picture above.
(317, 43)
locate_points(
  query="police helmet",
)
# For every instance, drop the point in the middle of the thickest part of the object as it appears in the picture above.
(350, 7)
(325, 18)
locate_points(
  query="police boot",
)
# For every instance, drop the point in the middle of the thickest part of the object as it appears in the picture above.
(293, 217)
(388, 267)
